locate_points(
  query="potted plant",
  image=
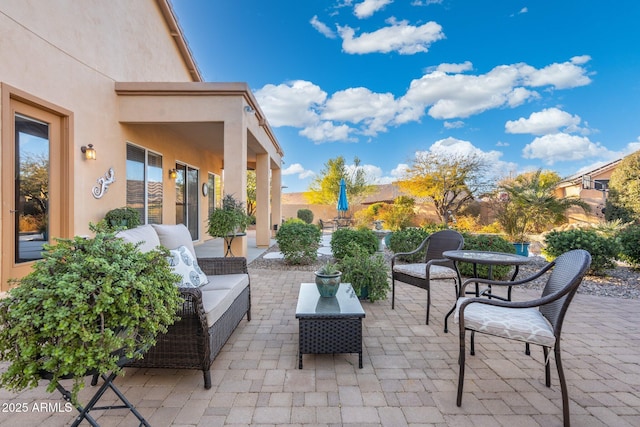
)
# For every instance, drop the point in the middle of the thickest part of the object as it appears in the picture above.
(230, 219)
(368, 274)
(328, 279)
(88, 302)
(123, 217)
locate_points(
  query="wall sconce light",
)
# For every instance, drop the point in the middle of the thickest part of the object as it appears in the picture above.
(173, 174)
(88, 151)
(249, 109)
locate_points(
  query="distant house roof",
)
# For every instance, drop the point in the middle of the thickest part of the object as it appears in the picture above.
(577, 178)
(385, 193)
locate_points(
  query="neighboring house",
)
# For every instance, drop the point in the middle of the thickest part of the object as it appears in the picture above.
(591, 186)
(118, 77)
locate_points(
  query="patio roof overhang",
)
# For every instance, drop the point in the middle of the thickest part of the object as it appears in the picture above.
(199, 112)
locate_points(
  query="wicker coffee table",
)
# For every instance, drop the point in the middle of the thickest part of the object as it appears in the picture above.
(329, 325)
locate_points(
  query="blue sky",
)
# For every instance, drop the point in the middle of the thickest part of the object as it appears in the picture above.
(528, 84)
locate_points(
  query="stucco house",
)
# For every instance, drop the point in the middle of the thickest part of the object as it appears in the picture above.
(116, 79)
(591, 186)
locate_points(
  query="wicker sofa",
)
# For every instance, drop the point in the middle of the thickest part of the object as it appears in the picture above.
(210, 312)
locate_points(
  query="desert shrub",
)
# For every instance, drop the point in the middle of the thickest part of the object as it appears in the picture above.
(407, 240)
(603, 250)
(486, 242)
(298, 241)
(467, 223)
(368, 274)
(306, 215)
(401, 214)
(629, 239)
(362, 237)
(492, 228)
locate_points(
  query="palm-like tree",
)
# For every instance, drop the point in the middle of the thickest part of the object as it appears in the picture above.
(529, 204)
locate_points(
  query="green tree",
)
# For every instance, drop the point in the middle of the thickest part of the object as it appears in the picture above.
(528, 204)
(325, 187)
(450, 182)
(624, 190)
(251, 193)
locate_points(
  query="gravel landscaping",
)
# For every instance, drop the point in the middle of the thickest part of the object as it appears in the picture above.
(620, 282)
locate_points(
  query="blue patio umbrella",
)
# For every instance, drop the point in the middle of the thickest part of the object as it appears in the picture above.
(343, 203)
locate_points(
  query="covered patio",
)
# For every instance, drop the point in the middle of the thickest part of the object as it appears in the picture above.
(409, 375)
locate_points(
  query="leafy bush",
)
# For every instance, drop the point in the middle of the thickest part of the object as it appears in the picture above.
(368, 274)
(126, 217)
(486, 242)
(629, 239)
(363, 237)
(603, 250)
(306, 215)
(68, 315)
(407, 240)
(298, 241)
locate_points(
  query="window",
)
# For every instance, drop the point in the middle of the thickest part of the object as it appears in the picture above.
(144, 183)
(213, 184)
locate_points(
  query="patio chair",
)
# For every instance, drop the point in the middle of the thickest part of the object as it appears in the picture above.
(538, 321)
(326, 224)
(435, 266)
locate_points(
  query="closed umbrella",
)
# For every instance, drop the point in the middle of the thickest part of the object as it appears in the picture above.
(343, 203)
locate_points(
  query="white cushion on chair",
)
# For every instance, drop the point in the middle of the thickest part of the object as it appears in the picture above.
(521, 324)
(419, 270)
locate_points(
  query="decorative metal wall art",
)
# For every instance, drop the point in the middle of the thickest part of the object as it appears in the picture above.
(103, 184)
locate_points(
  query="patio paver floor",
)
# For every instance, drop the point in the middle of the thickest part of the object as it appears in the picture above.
(409, 375)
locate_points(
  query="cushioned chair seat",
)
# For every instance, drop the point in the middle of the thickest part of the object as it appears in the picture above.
(219, 294)
(521, 324)
(420, 270)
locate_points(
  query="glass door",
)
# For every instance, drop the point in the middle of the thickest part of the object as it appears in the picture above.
(35, 185)
(187, 198)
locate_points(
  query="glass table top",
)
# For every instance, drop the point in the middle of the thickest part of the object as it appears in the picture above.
(344, 304)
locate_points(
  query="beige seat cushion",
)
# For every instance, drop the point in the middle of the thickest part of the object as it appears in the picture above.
(521, 324)
(144, 234)
(219, 294)
(174, 236)
(419, 270)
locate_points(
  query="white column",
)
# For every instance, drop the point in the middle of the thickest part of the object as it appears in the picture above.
(263, 196)
(235, 169)
(276, 197)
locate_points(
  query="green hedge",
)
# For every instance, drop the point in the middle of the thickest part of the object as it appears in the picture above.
(603, 250)
(363, 237)
(486, 242)
(629, 240)
(298, 241)
(407, 240)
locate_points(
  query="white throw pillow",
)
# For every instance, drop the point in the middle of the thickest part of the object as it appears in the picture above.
(183, 263)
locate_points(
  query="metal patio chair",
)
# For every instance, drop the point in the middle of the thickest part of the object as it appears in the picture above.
(538, 321)
(434, 266)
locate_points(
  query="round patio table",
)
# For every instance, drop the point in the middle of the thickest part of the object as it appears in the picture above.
(488, 258)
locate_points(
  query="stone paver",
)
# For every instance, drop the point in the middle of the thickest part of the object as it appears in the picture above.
(409, 376)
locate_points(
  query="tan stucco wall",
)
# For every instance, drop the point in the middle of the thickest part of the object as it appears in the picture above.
(75, 66)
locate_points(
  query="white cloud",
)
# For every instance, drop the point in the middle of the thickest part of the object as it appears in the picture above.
(455, 68)
(369, 7)
(322, 28)
(556, 147)
(327, 131)
(453, 95)
(399, 170)
(292, 104)
(425, 2)
(524, 10)
(298, 169)
(360, 105)
(399, 37)
(453, 125)
(447, 95)
(549, 120)
(561, 76)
